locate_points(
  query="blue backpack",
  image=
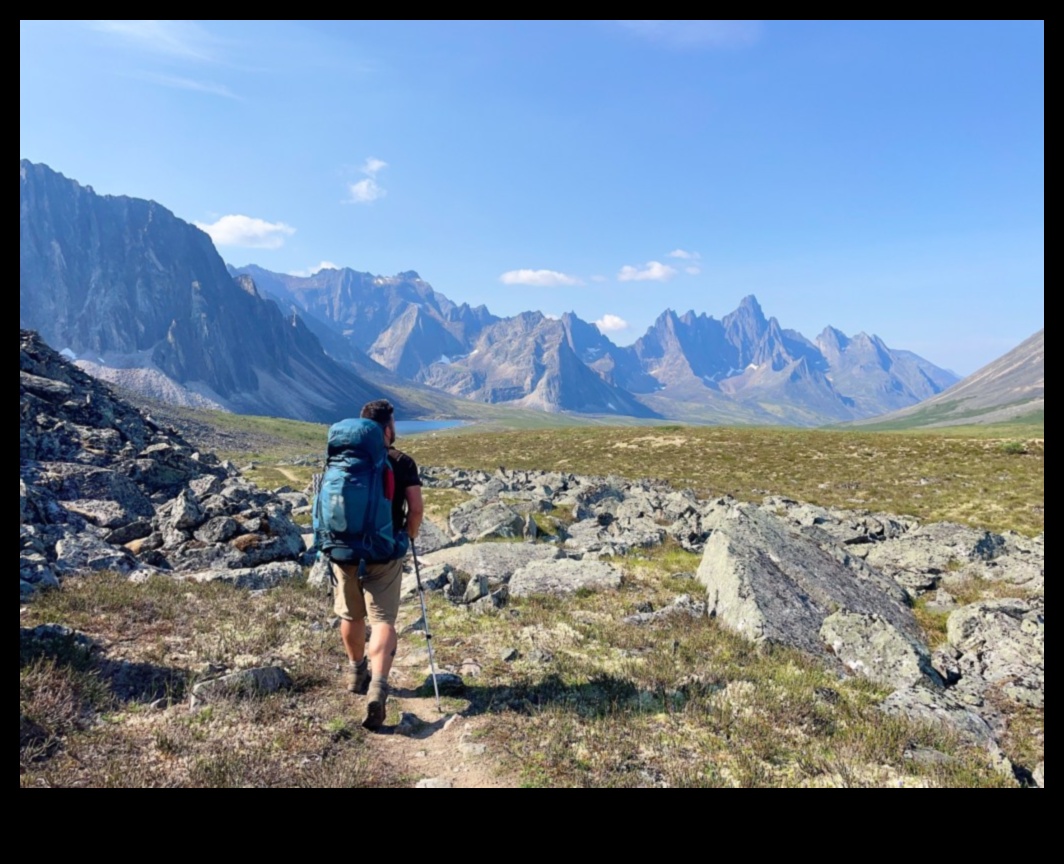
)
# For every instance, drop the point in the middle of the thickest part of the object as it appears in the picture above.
(353, 507)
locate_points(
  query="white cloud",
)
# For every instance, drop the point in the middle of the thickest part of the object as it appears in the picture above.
(654, 271)
(684, 255)
(182, 39)
(247, 232)
(693, 271)
(311, 271)
(210, 87)
(697, 34)
(372, 167)
(366, 191)
(611, 324)
(539, 278)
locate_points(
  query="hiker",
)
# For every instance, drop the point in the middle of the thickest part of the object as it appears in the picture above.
(372, 588)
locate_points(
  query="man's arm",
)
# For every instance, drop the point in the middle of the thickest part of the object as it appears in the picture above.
(415, 511)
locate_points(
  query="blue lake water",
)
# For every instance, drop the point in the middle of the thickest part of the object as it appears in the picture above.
(419, 427)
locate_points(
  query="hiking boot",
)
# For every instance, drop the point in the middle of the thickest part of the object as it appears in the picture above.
(357, 678)
(376, 705)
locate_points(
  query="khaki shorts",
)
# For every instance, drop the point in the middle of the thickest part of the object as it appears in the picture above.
(382, 587)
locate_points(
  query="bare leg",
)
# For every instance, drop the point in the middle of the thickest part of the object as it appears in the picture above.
(382, 645)
(354, 635)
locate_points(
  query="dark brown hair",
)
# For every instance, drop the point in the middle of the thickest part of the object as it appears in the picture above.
(381, 412)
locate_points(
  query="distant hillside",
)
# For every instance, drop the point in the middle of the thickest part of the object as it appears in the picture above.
(1011, 388)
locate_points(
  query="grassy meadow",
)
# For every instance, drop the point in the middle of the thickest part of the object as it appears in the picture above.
(561, 692)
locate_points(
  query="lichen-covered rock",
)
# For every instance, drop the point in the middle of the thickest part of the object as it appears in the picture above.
(247, 684)
(772, 584)
(486, 520)
(252, 578)
(1001, 644)
(927, 706)
(495, 561)
(943, 552)
(562, 577)
(682, 607)
(873, 648)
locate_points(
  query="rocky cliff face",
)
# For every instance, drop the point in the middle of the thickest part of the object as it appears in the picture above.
(123, 283)
(103, 487)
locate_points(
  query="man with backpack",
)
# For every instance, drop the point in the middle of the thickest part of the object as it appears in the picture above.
(366, 536)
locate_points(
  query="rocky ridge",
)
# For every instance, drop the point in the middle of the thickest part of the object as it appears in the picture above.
(103, 487)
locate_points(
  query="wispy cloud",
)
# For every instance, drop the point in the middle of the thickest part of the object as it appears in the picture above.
(684, 255)
(181, 39)
(368, 190)
(311, 271)
(697, 34)
(653, 271)
(611, 323)
(693, 271)
(600, 279)
(247, 232)
(539, 278)
(179, 83)
(373, 167)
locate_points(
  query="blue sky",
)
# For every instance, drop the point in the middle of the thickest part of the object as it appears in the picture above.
(877, 176)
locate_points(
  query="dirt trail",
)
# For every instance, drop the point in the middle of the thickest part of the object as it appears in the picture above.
(290, 475)
(421, 746)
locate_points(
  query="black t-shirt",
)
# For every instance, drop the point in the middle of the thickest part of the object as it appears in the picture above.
(406, 476)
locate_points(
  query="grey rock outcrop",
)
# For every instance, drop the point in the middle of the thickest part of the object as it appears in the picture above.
(772, 584)
(872, 647)
(103, 487)
(1040, 776)
(1001, 644)
(486, 520)
(496, 562)
(928, 555)
(562, 577)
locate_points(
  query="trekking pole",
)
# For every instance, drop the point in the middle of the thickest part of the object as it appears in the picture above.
(428, 632)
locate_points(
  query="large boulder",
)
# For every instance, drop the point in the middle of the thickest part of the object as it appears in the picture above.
(1001, 644)
(431, 539)
(563, 577)
(772, 584)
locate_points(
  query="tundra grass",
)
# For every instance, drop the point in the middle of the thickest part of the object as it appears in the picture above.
(987, 482)
(119, 715)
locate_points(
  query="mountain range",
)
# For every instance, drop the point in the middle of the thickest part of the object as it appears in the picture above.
(743, 368)
(142, 298)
